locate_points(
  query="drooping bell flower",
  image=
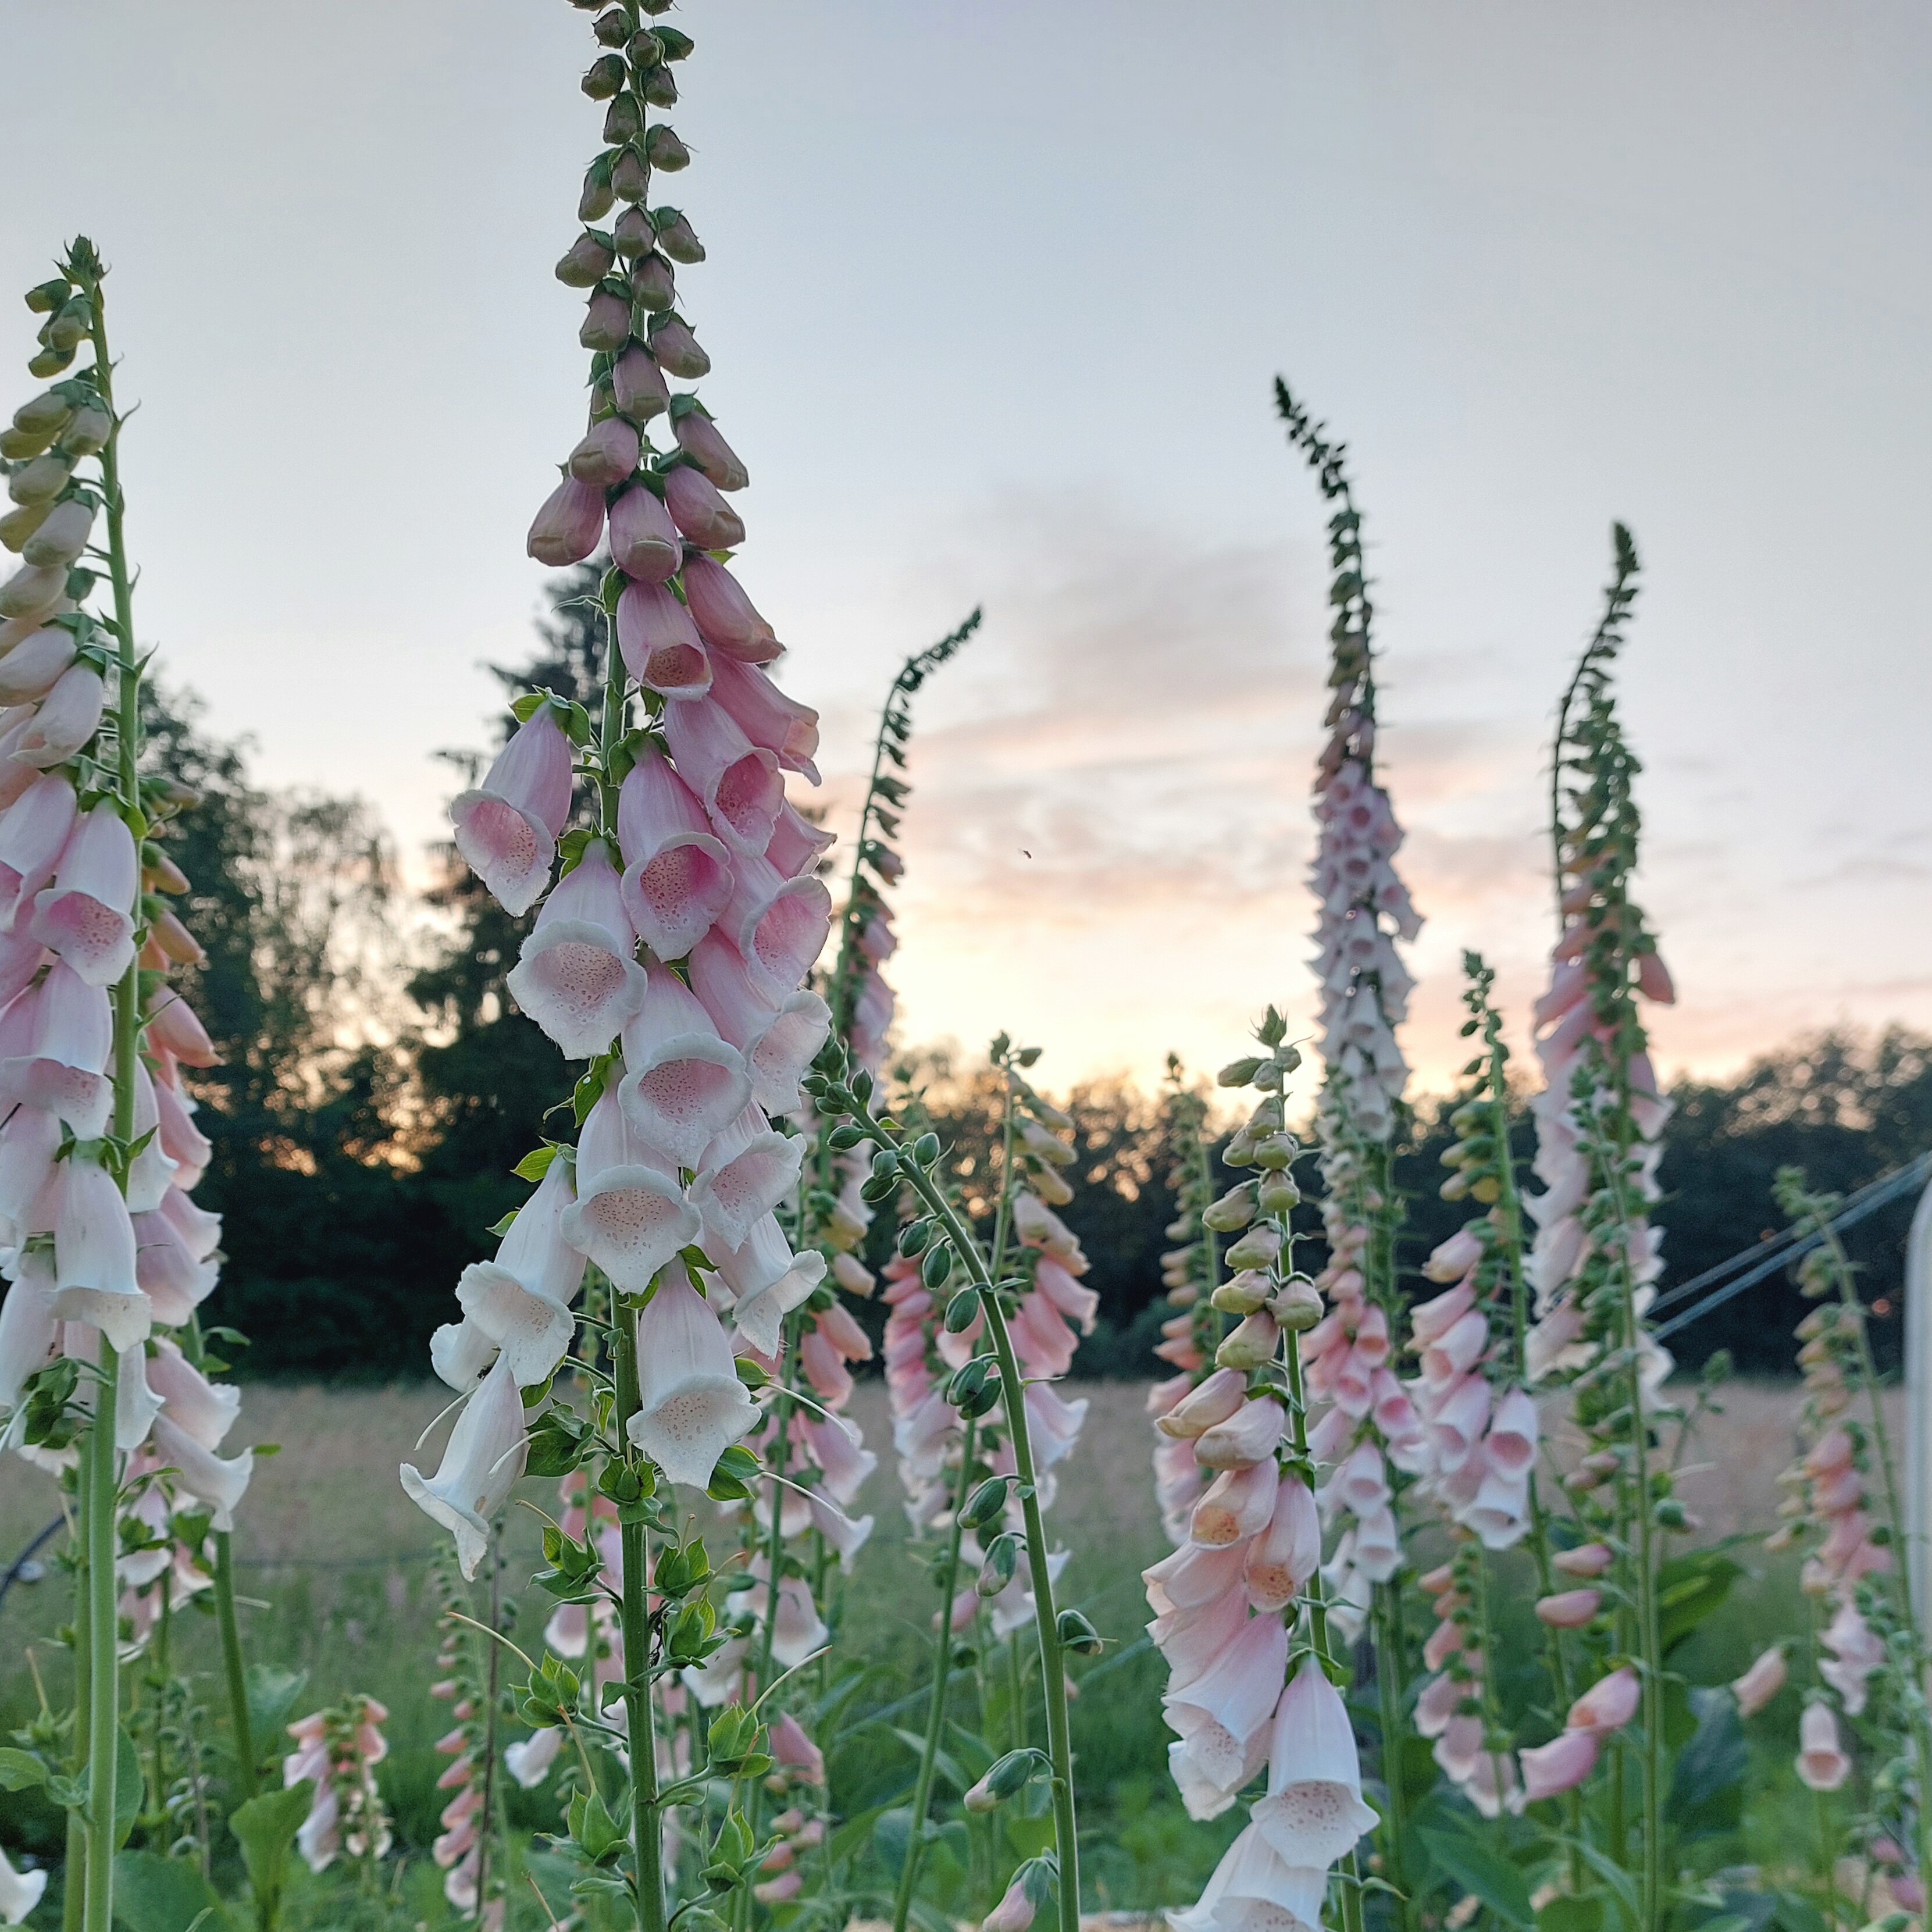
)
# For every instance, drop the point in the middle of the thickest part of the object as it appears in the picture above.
(682, 1085)
(747, 1170)
(738, 782)
(577, 975)
(94, 1256)
(724, 613)
(1219, 1713)
(521, 1301)
(33, 833)
(1313, 1813)
(630, 1215)
(568, 526)
(219, 1482)
(204, 1410)
(697, 436)
(507, 827)
(485, 1455)
(677, 874)
(29, 1328)
(55, 1041)
(768, 1280)
(67, 717)
(779, 1041)
(694, 1405)
(778, 925)
(660, 646)
(85, 915)
(1823, 1765)
(1761, 1683)
(1254, 1890)
(766, 716)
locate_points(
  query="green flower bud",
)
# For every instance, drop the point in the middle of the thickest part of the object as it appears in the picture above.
(659, 87)
(676, 235)
(645, 51)
(48, 296)
(664, 150)
(1233, 1211)
(653, 288)
(1238, 1073)
(70, 327)
(1259, 1248)
(590, 258)
(605, 78)
(1279, 1193)
(41, 481)
(633, 233)
(623, 120)
(676, 46)
(610, 27)
(597, 199)
(1247, 1291)
(1297, 1305)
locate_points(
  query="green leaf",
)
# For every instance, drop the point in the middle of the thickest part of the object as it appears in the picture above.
(1477, 1869)
(1689, 1588)
(1623, 1886)
(1567, 1913)
(1707, 1788)
(1030, 1836)
(892, 1834)
(265, 1828)
(152, 1894)
(1796, 1913)
(943, 1764)
(272, 1694)
(20, 1771)
(536, 1164)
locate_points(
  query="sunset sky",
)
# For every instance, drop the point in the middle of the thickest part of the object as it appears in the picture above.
(995, 297)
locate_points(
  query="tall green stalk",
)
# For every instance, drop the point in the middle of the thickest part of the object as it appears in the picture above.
(246, 1772)
(647, 1836)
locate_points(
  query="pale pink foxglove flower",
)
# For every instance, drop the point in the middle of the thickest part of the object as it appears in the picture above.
(204, 1410)
(737, 781)
(1313, 1813)
(177, 1272)
(703, 516)
(520, 1302)
(1560, 1765)
(630, 1215)
(84, 915)
(1857, 1651)
(1218, 1713)
(725, 614)
(1569, 1609)
(767, 1280)
(1238, 1505)
(19, 1892)
(507, 827)
(220, 1483)
(683, 1084)
(697, 436)
(569, 525)
(747, 1170)
(766, 716)
(93, 1257)
(677, 877)
(779, 1041)
(577, 975)
(607, 454)
(55, 1041)
(660, 643)
(778, 925)
(529, 1759)
(34, 665)
(67, 717)
(1761, 1683)
(1608, 1705)
(1279, 1562)
(645, 546)
(33, 833)
(1253, 1889)
(693, 1405)
(1822, 1764)
(484, 1457)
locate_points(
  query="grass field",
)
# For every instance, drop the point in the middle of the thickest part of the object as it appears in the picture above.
(335, 1563)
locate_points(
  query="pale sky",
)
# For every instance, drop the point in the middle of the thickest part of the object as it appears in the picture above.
(995, 296)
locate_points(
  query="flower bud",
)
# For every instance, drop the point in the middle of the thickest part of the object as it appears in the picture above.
(1251, 1345)
(32, 592)
(630, 179)
(676, 237)
(643, 540)
(645, 50)
(623, 120)
(677, 46)
(589, 260)
(49, 362)
(632, 233)
(597, 199)
(1279, 1194)
(62, 535)
(16, 445)
(698, 436)
(610, 26)
(1052, 1188)
(638, 385)
(1243, 1295)
(652, 285)
(676, 349)
(607, 454)
(607, 322)
(39, 480)
(88, 431)
(568, 526)
(1297, 1305)
(699, 511)
(69, 328)
(1233, 1211)
(606, 77)
(18, 525)
(1259, 1248)
(1238, 1073)
(659, 88)
(45, 298)
(664, 151)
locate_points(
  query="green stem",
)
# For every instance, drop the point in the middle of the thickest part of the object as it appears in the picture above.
(1388, 1687)
(74, 1869)
(1052, 1659)
(942, 1673)
(245, 1760)
(103, 1622)
(646, 1839)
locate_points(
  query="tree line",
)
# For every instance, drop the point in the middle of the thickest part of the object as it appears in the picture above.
(370, 1108)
